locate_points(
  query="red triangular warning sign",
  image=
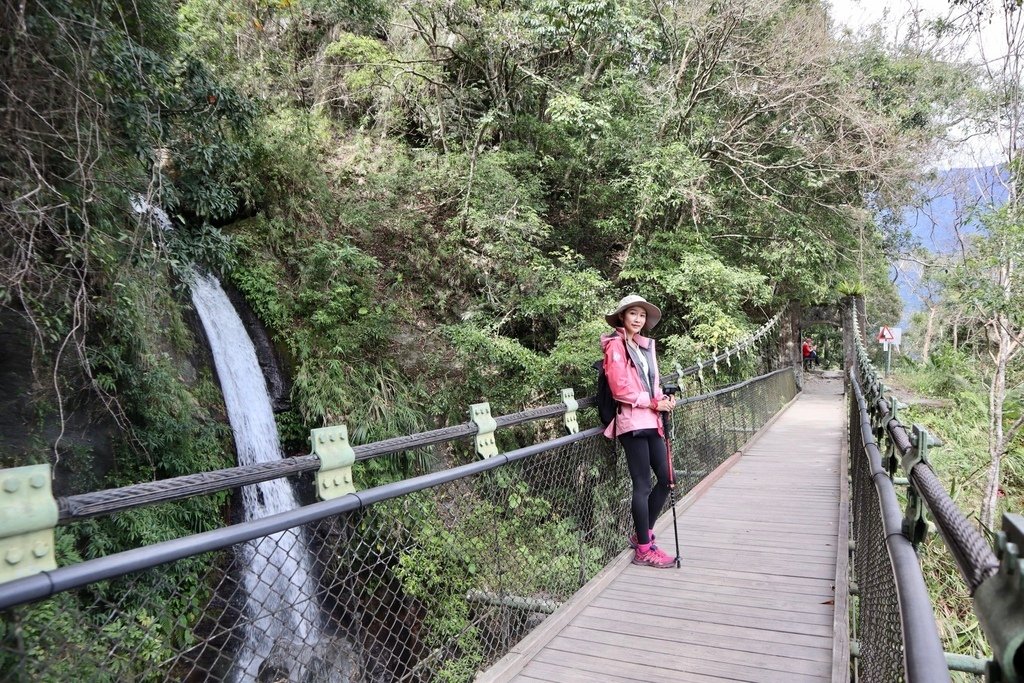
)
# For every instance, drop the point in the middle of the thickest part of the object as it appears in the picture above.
(885, 335)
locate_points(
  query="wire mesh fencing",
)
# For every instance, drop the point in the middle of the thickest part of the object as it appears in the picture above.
(429, 579)
(893, 622)
(877, 625)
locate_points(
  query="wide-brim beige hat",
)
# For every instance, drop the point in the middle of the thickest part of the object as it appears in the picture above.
(653, 312)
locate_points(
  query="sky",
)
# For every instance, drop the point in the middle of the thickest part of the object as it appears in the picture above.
(931, 225)
(897, 17)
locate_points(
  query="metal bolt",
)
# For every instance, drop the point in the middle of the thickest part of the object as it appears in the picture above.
(11, 485)
(40, 550)
(13, 556)
(320, 439)
(37, 481)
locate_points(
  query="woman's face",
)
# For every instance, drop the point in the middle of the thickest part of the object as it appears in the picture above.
(634, 319)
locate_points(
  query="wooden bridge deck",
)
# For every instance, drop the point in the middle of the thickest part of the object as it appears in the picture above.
(762, 541)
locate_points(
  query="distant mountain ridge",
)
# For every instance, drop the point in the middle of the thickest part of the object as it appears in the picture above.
(947, 206)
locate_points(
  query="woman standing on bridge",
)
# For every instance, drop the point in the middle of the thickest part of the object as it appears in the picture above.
(632, 371)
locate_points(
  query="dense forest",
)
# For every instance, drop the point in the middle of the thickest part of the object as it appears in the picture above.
(432, 203)
(429, 204)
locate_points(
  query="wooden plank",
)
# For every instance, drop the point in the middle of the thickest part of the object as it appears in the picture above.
(815, 594)
(556, 672)
(576, 649)
(792, 571)
(712, 615)
(673, 631)
(604, 669)
(818, 551)
(691, 651)
(754, 598)
(706, 584)
(841, 626)
(809, 614)
(694, 623)
(745, 534)
(710, 586)
(789, 602)
(757, 578)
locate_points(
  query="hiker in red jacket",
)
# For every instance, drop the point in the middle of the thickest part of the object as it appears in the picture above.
(809, 352)
(632, 370)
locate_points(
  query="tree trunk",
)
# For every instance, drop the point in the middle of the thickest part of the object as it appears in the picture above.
(996, 402)
(929, 330)
(789, 336)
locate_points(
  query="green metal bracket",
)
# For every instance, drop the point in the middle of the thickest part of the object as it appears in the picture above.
(915, 526)
(895, 406)
(28, 514)
(572, 425)
(894, 409)
(921, 441)
(892, 459)
(954, 662)
(999, 604)
(480, 415)
(334, 479)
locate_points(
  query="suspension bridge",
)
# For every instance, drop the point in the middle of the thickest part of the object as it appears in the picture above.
(506, 560)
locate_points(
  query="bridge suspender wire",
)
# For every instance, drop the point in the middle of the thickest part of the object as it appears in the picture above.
(109, 501)
(973, 555)
(45, 584)
(437, 576)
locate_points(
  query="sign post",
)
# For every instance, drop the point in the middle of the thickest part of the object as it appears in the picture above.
(886, 337)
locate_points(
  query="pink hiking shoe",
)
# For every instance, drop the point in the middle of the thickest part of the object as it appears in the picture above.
(653, 557)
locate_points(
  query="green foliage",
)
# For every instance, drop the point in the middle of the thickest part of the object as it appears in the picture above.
(710, 292)
(951, 403)
(446, 558)
(848, 288)
(909, 87)
(429, 204)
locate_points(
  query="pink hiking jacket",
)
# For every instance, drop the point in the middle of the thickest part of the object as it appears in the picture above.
(636, 405)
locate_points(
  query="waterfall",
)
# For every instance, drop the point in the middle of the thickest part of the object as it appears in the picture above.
(284, 638)
(281, 611)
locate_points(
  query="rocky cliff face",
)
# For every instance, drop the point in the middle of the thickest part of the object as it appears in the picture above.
(80, 443)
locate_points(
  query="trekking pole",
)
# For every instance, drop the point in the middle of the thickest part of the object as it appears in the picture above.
(667, 422)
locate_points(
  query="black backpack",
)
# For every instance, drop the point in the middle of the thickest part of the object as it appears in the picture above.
(606, 404)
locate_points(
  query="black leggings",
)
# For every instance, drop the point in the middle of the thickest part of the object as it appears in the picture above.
(645, 451)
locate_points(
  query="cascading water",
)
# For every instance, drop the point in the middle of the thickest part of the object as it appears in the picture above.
(283, 638)
(281, 609)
